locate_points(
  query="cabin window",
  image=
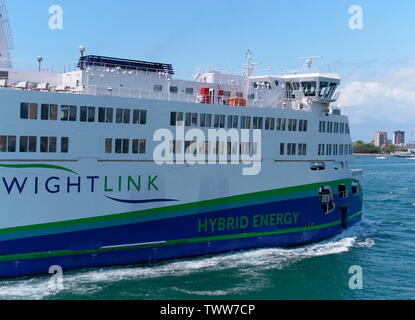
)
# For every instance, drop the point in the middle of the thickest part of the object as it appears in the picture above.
(105, 115)
(343, 191)
(291, 149)
(239, 94)
(176, 118)
(139, 146)
(336, 127)
(68, 113)
(219, 121)
(281, 124)
(205, 120)
(321, 149)
(355, 188)
(123, 116)
(233, 122)
(122, 146)
(8, 143)
(226, 94)
(327, 200)
(48, 144)
(87, 114)
(302, 149)
(49, 112)
(303, 126)
(282, 149)
(65, 144)
(28, 111)
(251, 96)
(189, 91)
(246, 122)
(157, 88)
(292, 125)
(174, 90)
(258, 123)
(28, 144)
(269, 123)
(108, 145)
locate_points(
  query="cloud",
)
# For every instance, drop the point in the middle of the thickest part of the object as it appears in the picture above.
(378, 99)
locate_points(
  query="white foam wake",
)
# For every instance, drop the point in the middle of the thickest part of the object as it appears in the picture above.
(86, 283)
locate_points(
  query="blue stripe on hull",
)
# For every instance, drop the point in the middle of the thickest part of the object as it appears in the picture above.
(186, 227)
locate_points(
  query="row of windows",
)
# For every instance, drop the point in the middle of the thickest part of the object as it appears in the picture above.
(205, 120)
(53, 112)
(335, 149)
(173, 89)
(334, 127)
(213, 148)
(125, 146)
(30, 144)
(293, 149)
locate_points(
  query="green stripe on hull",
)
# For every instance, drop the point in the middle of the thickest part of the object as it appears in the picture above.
(36, 166)
(65, 253)
(183, 209)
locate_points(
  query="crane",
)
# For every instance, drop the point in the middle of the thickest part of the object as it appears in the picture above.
(6, 38)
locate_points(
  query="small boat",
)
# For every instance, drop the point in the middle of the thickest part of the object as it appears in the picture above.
(381, 158)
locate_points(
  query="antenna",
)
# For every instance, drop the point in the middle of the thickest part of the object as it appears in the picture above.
(250, 66)
(6, 38)
(309, 61)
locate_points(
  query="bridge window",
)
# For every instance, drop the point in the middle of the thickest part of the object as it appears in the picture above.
(309, 88)
(324, 88)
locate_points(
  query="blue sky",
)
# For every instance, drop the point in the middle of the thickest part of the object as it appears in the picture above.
(191, 33)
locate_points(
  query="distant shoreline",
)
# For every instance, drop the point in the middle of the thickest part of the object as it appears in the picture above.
(372, 155)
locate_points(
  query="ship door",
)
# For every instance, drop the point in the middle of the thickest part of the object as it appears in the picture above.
(344, 211)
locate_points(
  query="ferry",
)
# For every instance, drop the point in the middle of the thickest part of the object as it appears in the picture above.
(119, 163)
